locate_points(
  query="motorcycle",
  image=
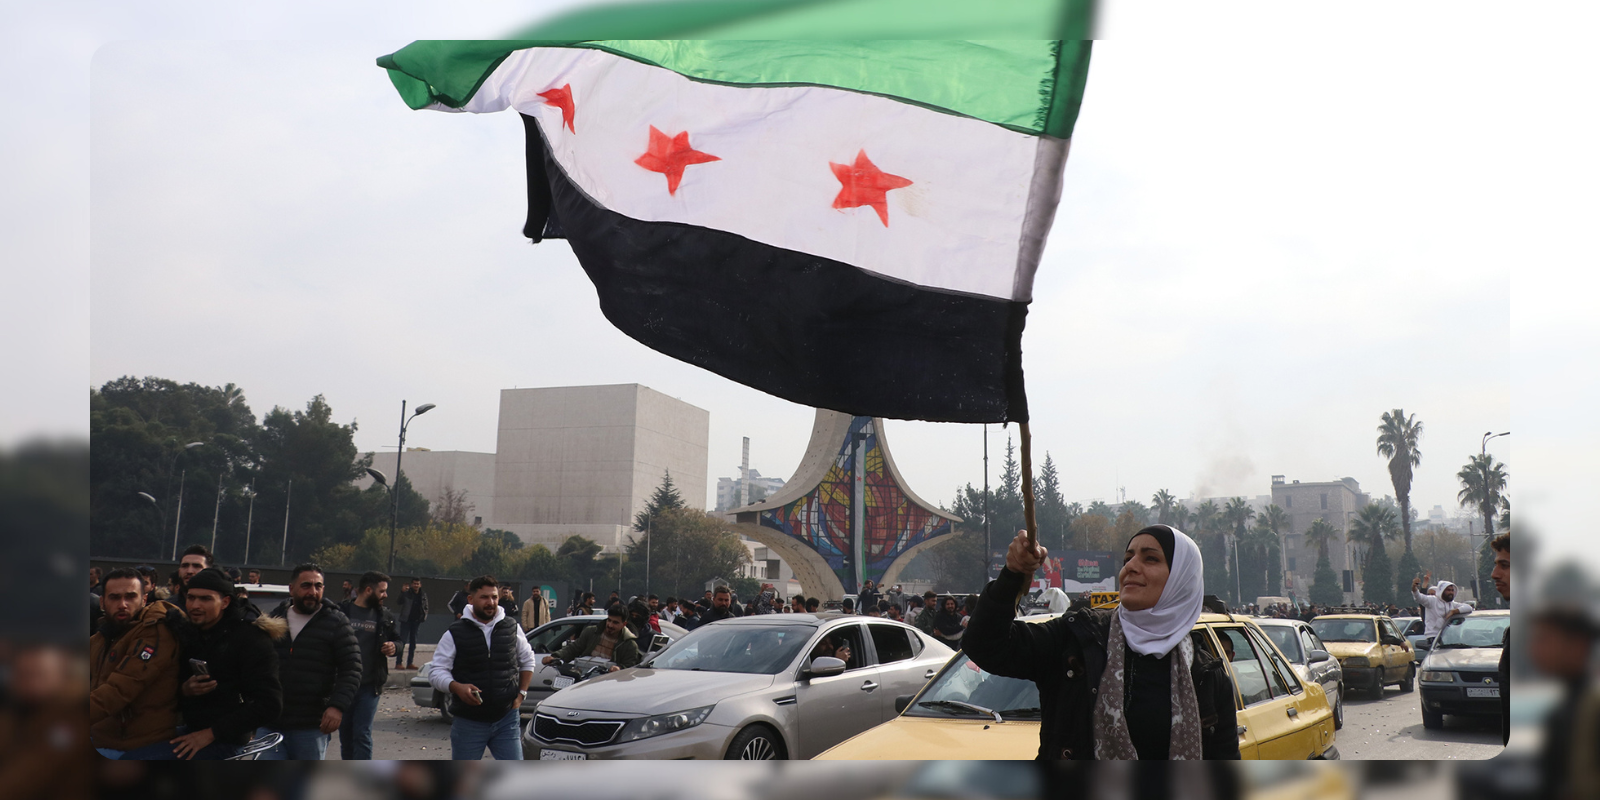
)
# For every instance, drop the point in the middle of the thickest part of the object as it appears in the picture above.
(578, 670)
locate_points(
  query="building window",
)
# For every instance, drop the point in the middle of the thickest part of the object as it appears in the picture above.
(1291, 564)
(1324, 501)
(1288, 501)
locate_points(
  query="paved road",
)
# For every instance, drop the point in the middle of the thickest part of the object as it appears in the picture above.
(1391, 728)
(403, 731)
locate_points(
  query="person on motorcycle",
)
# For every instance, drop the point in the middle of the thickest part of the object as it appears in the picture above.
(611, 641)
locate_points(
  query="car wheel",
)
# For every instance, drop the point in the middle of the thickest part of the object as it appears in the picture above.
(1411, 679)
(756, 743)
(444, 708)
(1432, 720)
(1338, 708)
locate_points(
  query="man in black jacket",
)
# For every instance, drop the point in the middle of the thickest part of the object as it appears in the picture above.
(413, 612)
(1501, 575)
(238, 690)
(377, 634)
(319, 664)
(722, 606)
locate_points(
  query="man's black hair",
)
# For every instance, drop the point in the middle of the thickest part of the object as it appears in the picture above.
(1501, 543)
(669, 601)
(309, 566)
(371, 578)
(616, 610)
(480, 582)
(198, 550)
(652, 597)
(587, 596)
(721, 590)
(124, 573)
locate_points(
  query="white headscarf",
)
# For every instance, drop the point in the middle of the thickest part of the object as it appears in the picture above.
(1156, 630)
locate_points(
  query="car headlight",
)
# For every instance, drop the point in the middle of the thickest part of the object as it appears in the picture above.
(1435, 676)
(646, 727)
(1355, 661)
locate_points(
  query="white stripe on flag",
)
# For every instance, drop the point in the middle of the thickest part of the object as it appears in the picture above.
(965, 223)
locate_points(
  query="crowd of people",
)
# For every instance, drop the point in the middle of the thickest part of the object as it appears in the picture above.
(193, 669)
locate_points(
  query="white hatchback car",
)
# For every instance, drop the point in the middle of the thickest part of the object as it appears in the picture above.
(762, 687)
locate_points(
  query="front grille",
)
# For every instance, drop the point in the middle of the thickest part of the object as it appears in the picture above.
(588, 733)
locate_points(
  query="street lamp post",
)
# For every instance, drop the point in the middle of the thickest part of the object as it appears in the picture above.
(178, 522)
(250, 492)
(394, 518)
(1487, 435)
(1477, 594)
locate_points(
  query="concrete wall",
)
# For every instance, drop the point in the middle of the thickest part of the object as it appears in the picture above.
(431, 472)
(585, 459)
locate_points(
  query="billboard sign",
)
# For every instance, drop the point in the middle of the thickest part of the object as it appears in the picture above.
(1077, 571)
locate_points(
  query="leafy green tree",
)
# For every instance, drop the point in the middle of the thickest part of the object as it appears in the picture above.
(1374, 523)
(1408, 568)
(582, 559)
(1483, 485)
(1163, 503)
(1182, 518)
(1100, 508)
(1326, 590)
(1140, 513)
(1320, 535)
(1398, 435)
(1052, 507)
(1274, 519)
(686, 547)
(319, 455)
(666, 496)
(1007, 500)
(1379, 584)
(507, 539)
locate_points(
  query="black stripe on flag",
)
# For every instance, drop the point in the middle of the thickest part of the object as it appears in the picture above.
(810, 330)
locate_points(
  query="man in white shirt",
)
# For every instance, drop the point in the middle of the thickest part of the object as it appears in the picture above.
(484, 663)
(1439, 609)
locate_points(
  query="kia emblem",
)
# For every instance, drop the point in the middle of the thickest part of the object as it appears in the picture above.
(572, 713)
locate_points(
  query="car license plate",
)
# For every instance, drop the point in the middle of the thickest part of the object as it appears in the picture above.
(561, 755)
(562, 682)
(1483, 692)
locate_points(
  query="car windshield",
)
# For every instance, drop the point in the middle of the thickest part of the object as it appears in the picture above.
(1002, 780)
(745, 649)
(1285, 638)
(1345, 630)
(1475, 631)
(963, 685)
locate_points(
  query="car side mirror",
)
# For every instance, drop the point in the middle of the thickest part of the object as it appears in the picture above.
(902, 702)
(1319, 656)
(659, 641)
(824, 666)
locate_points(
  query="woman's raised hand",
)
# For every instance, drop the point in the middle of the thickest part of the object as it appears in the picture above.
(1023, 558)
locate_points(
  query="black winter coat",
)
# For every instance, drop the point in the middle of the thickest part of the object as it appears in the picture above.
(1066, 657)
(319, 669)
(240, 656)
(374, 664)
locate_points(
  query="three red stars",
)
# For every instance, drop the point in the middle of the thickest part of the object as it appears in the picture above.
(668, 155)
(863, 184)
(561, 97)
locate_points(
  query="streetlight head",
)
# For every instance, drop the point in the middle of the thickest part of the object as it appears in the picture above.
(1507, 433)
(423, 409)
(382, 479)
(146, 495)
(192, 445)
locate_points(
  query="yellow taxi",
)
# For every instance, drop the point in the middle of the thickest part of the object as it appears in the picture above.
(1370, 650)
(967, 713)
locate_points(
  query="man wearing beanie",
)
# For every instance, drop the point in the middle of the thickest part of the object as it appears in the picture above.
(236, 691)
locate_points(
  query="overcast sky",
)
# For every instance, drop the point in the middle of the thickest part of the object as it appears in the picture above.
(1275, 227)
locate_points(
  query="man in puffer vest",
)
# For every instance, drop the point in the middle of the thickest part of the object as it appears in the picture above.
(485, 664)
(319, 665)
(133, 668)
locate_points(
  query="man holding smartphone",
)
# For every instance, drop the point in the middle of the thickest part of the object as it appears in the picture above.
(484, 663)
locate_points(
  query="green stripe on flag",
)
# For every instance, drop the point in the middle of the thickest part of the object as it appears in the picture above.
(1031, 86)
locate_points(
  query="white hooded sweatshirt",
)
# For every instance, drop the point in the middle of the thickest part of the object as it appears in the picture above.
(1434, 607)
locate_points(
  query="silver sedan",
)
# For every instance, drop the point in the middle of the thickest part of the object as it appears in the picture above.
(1309, 658)
(765, 687)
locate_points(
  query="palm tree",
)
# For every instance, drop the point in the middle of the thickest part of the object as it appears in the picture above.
(1137, 509)
(1239, 513)
(1273, 518)
(1483, 485)
(1180, 517)
(1163, 502)
(1204, 514)
(1320, 535)
(1103, 509)
(1375, 522)
(1397, 441)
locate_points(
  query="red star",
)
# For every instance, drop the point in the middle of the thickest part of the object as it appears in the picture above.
(562, 98)
(669, 155)
(863, 184)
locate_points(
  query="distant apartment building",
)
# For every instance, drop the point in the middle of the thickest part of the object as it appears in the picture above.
(728, 490)
(1338, 502)
(570, 460)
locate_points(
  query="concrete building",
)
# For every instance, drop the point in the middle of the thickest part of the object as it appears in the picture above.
(728, 490)
(1338, 502)
(433, 472)
(585, 459)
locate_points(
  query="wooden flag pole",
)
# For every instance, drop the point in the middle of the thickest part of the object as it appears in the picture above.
(1027, 486)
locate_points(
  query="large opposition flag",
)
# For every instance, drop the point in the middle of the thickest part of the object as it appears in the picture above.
(851, 225)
